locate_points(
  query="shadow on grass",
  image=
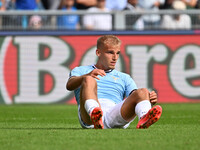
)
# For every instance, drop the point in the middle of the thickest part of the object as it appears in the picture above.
(41, 128)
(51, 128)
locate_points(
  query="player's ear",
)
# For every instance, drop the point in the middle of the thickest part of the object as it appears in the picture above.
(98, 53)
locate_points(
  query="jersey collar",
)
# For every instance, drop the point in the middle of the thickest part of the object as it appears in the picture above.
(107, 71)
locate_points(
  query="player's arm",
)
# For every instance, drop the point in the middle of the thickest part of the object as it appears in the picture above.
(75, 81)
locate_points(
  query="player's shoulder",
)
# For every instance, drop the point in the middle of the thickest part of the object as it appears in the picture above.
(83, 67)
(80, 70)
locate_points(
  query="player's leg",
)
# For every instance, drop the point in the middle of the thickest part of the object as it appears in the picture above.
(138, 103)
(89, 106)
(150, 117)
(137, 96)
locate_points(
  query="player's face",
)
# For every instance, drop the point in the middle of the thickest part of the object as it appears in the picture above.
(108, 57)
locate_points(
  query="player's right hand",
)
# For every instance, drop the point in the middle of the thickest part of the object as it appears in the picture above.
(94, 73)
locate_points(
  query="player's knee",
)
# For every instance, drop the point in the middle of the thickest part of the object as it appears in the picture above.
(89, 81)
(141, 94)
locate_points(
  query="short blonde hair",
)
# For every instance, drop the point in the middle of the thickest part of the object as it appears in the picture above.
(107, 40)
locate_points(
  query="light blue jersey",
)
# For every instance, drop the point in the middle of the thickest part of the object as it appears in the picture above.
(114, 86)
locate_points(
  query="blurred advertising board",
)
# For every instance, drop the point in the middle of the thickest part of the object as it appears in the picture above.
(35, 69)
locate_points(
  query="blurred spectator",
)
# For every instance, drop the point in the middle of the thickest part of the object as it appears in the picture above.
(26, 5)
(190, 3)
(98, 21)
(9, 20)
(35, 22)
(167, 4)
(85, 4)
(178, 21)
(2, 5)
(133, 21)
(68, 21)
(51, 20)
(51, 4)
(196, 18)
(116, 5)
(2, 8)
(10, 4)
(197, 4)
(151, 21)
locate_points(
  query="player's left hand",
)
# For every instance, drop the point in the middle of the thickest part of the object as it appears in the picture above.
(153, 97)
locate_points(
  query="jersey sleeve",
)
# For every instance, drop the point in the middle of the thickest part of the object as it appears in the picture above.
(130, 85)
(75, 72)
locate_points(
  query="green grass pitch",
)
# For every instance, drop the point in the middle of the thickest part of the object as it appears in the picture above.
(56, 127)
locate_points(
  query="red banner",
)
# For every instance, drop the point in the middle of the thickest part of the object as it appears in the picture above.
(34, 69)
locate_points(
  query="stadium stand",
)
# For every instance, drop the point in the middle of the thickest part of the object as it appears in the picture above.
(11, 19)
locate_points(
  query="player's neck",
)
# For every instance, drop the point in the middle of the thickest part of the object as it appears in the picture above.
(97, 66)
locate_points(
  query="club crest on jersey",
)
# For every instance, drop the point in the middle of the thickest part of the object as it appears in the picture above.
(115, 78)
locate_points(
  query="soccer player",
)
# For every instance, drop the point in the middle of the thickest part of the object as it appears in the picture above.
(108, 98)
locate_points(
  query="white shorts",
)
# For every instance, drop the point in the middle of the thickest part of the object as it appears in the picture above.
(112, 117)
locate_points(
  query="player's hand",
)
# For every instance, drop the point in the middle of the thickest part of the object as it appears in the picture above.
(94, 73)
(153, 97)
